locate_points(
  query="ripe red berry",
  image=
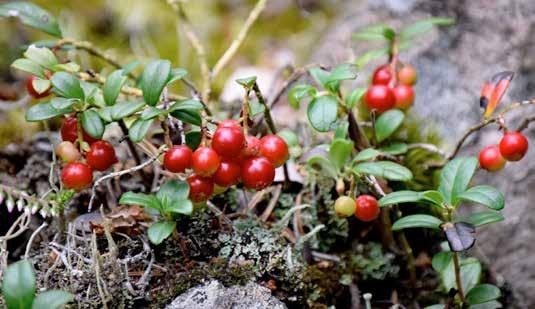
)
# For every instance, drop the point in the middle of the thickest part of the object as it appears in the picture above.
(76, 176)
(228, 142)
(407, 75)
(274, 148)
(67, 152)
(367, 208)
(69, 131)
(404, 96)
(257, 173)
(228, 173)
(178, 159)
(31, 90)
(344, 206)
(380, 98)
(229, 123)
(200, 188)
(101, 156)
(513, 146)
(205, 161)
(252, 146)
(491, 159)
(382, 75)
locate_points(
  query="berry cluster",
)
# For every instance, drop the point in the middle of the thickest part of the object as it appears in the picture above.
(391, 89)
(232, 157)
(365, 208)
(512, 147)
(76, 174)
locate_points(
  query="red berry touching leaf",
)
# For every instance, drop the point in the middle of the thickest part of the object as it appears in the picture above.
(491, 159)
(205, 161)
(69, 131)
(252, 146)
(257, 173)
(367, 208)
(228, 142)
(380, 98)
(229, 123)
(32, 91)
(513, 146)
(178, 159)
(101, 156)
(344, 206)
(382, 75)
(404, 96)
(228, 173)
(407, 75)
(274, 148)
(67, 152)
(200, 188)
(76, 176)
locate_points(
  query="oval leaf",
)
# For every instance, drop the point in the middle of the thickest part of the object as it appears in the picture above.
(143, 200)
(395, 148)
(354, 97)
(339, 152)
(28, 66)
(366, 155)
(31, 15)
(405, 196)
(92, 123)
(112, 86)
(482, 218)
(160, 231)
(385, 169)
(299, 93)
(125, 109)
(423, 26)
(42, 56)
(425, 221)
(139, 129)
(388, 123)
(186, 104)
(484, 195)
(456, 176)
(483, 293)
(45, 110)
(18, 286)
(322, 112)
(153, 80)
(172, 190)
(188, 116)
(67, 86)
(184, 207)
(53, 299)
(319, 162)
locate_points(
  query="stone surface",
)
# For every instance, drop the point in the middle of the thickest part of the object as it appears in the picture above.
(214, 295)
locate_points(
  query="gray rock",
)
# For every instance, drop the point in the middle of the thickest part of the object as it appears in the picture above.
(215, 296)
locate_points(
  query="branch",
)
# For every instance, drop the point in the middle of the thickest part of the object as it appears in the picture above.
(297, 73)
(525, 123)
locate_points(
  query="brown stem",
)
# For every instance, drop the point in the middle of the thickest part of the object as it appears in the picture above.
(525, 123)
(410, 257)
(135, 155)
(355, 133)
(457, 268)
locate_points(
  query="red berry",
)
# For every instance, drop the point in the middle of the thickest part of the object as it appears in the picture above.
(69, 131)
(228, 142)
(252, 146)
(205, 161)
(513, 146)
(380, 98)
(407, 75)
(76, 176)
(382, 75)
(274, 148)
(101, 156)
(67, 152)
(257, 173)
(200, 188)
(229, 123)
(367, 208)
(32, 91)
(491, 159)
(344, 206)
(228, 173)
(178, 159)
(404, 96)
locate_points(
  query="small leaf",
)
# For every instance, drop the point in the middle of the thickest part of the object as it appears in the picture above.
(144, 200)
(53, 299)
(127, 69)
(160, 231)
(124, 109)
(90, 90)
(177, 74)
(112, 86)
(366, 155)
(153, 80)
(432, 196)
(31, 15)
(188, 116)
(484, 195)
(482, 218)
(172, 190)
(247, 82)
(299, 93)
(322, 112)
(354, 97)
(488, 305)
(425, 221)
(339, 73)
(369, 56)
(193, 139)
(18, 286)
(28, 66)
(385, 169)
(184, 207)
(43, 111)
(441, 261)
(322, 77)
(319, 162)
(395, 148)
(423, 26)
(339, 152)
(470, 273)
(341, 129)
(92, 123)
(151, 112)
(460, 235)
(388, 123)
(62, 103)
(375, 32)
(139, 129)
(404, 196)
(190, 104)
(289, 137)
(456, 176)
(67, 86)
(70, 67)
(256, 108)
(42, 56)
(105, 113)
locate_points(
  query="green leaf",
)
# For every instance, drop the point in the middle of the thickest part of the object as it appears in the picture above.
(188, 116)
(193, 139)
(172, 190)
(432, 196)
(339, 152)
(90, 90)
(322, 113)
(388, 123)
(18, 287)
(484, 195)
(62, 103)
(341, 129)
(482, 294)
(92, 123)
(177, 74)
(153, 80)
(299, 93)
(366, 155)
(42, 56)
(105, 113)
(31, 15)
(143, 200)
(190, 104)
(482, 218)
(184, 207)
(124, 109)
(112, 86)
(456, 176)
(395, 148)
(43, 111)
(470, 273)
(127, 69)
(41, 85)
(423, 26)
(247, 82)
(321, 163)
(139, 129)
(152, 112)
(425, 221)
(67, 86)
(28, 66)
(404, 196)
(71, 67)
(354, 97)
(488, 305)
(289, 137)
(441, 261)
(436, 306)
(256, 108)
(385, 169)
(322, 77)
(53, 299)
(160, 231)
(339, 73)
(374, 33)
(369, 56)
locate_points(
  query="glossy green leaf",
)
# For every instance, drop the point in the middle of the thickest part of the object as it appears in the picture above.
(28, 66)
(340, 73)
(143, 200)
(18, 286)
(112, 86)
(160, 230)
(395, 149)
(70, 67)
(339, 152)
(484, 195)
(177, 74)
(154, 79)
(124, 109)
(105, 113)
(421, 27)
(385, 169)
(441, 261)
(482, 294)
(363, 59)
(482, 218)
(184, 207)
(397, 197)
(67, 86)
(90, 90)
(172, 190)
(470, 273)
(193, 139)
(131, 66)
(256, 108)
(289, 137)
(493, 304)
(151, 112)
(53, 299)
(42, 56)
(341, 129)
(190, 104)
(139, 129)
(366, 155)
(31, 15)
(388, 123)
(299, 93)
(62, 103)
(374, 33)
(43, 111)
(323, 164)
(432, 196)
(92, 123)
(322, 78)
(188, 116)
(412, 221)
(354, 97)
(247, 82)
(322, 113)
(456, 176)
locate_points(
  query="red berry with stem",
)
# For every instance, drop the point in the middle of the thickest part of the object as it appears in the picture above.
(344, 206)
(252, 146)
(200, 188)
(32, 91)
(228, 142)
(382, 75)
(76, 176)
(513, 146)
(491, 159)
(380, 98)
(178, 159)
(407, 75)
(68, 152)
(404, 96)
(205, 161)
(228, 173)
(101, 156)
(229, 123)
(367, 208)
(274, 148)
(69, 131)
(257, 173)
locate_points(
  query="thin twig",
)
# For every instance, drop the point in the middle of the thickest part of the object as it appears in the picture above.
(272, 203)
(297, 73)
(30, 241)
(457, 268)
(525, 123)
